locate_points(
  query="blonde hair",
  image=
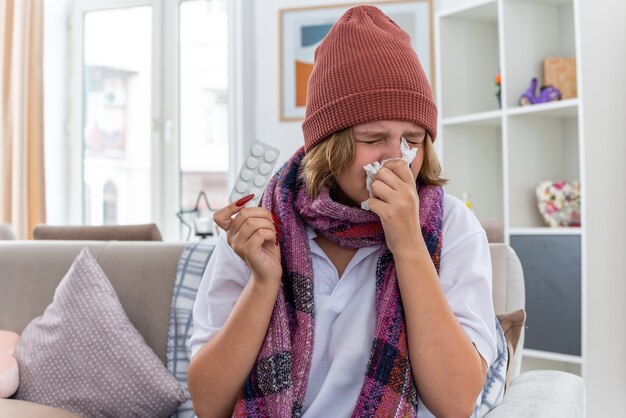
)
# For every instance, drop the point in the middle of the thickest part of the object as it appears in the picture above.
(323, 163)
(430, 173)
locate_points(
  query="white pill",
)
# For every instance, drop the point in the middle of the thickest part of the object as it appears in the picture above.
(259, 181)
(241, 187)
(251, 162)
(256, 193)
(270, 156)
(257, 150)
(246, 175)
(265, 168)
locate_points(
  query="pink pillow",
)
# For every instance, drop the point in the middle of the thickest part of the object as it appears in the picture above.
(9, 374)
(8, 341)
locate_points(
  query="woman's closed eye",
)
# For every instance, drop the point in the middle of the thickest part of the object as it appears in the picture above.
(412, 140)
(415, 140)
(371, 141)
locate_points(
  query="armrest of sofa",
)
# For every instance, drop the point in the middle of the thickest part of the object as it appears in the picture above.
(23, 409)
(543, 394)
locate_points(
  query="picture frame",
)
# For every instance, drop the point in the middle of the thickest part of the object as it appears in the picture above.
(302, 29)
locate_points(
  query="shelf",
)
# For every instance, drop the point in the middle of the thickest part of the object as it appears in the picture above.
(559, 109)
(533, 363)
(482, 11)
(546, 355)
(545, 231)
(461, 30)
(539, 148)
(499, 152)
(472, 161)
(535, 31)
(552, 2)
(491, 118)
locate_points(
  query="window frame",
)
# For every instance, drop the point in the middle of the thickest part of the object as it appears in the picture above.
(165, 106)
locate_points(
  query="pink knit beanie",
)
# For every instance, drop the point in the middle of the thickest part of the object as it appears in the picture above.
(366, 70)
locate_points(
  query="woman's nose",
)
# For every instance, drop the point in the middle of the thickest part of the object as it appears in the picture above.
(392, 149)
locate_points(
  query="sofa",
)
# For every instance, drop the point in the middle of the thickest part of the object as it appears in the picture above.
(6, 232)
(142, 274)
(142, 232)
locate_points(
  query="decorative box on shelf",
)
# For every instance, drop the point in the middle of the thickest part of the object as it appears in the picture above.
(559, 202)
(561, 73)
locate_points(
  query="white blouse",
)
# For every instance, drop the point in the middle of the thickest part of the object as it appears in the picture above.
(345, 311)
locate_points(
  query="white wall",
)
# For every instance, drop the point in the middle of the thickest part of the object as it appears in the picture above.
(244, 73)
(55, 98)
(287, 136)
(603, 62)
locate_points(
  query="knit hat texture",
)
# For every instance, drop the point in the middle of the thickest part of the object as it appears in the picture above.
(365, 70)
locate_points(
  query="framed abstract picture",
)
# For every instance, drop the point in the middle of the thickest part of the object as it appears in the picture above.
(302, 30)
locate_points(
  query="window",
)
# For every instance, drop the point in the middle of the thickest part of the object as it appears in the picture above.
(117, 121)
(153, 117)
(87, 206)
(109, 204)
(203, 101)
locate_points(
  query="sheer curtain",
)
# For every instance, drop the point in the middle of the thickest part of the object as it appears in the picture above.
(22, 197)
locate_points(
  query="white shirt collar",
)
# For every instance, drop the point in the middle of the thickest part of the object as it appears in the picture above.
(360, 254)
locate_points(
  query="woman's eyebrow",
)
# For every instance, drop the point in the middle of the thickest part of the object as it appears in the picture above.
(415, 133)
(385, 134)
(373, 134)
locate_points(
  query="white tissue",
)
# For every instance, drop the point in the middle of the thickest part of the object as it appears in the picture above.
(408, 155)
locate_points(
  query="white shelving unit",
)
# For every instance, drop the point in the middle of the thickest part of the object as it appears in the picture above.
(499, 152)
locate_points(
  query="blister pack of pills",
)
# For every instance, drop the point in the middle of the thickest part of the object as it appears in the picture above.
(258, 167)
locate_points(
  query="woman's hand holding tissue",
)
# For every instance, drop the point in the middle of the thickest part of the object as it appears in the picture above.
(395, 200)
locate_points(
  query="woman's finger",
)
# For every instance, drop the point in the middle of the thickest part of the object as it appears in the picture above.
(251, 226)
(381, 190)
(401, 169)
(223, 217)
(247, 213)
(389, 177)
(260, 237)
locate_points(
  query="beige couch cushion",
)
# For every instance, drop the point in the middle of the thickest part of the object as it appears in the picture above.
(494, 228)
(512, 325)
(145, 232)
(508, 292)
(508, 279)
(142, 274)
(543, 393)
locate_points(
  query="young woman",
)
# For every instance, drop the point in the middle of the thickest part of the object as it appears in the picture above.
(312, 306)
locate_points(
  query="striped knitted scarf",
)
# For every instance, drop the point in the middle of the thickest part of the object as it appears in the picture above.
(278, 381)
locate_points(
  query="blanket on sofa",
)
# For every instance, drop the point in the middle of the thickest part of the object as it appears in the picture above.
(189, 271)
